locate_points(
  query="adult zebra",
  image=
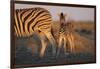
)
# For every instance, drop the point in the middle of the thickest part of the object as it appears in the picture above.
(31, 20)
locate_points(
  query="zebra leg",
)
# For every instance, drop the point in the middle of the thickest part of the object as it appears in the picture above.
(65, 44)
(59, 45)
(43, 48)
(52, 41)
(44, 44)
(70, 43)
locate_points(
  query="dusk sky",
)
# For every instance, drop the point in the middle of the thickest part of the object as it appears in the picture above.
(75, 13)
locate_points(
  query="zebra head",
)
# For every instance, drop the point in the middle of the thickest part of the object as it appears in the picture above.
(62, 21)
(65, 22)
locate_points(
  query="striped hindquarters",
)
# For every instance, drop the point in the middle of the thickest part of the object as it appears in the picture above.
(29, 20)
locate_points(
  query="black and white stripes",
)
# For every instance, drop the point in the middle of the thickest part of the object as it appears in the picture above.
(31, 20)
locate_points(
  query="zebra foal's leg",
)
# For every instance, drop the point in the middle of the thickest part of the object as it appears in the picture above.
(59, 44)
(65, 44)
(71, 42)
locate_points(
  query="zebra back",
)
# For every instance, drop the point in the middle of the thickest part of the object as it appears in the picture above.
(31, 19)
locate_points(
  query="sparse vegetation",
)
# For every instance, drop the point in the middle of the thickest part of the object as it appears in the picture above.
(84, 47)
(84, 34)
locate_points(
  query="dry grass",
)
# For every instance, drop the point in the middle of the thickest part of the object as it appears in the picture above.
(84, 25)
